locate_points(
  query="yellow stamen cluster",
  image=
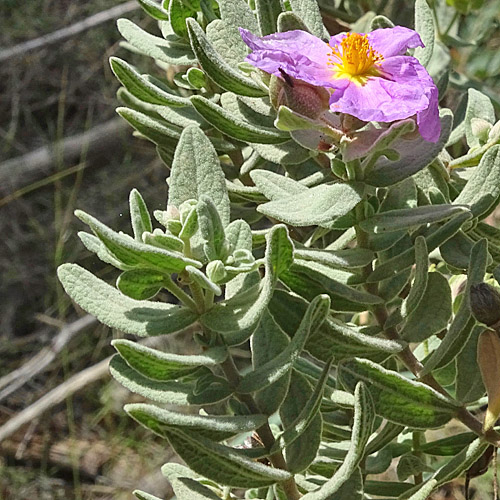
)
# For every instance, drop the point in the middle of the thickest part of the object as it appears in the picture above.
(355, 58)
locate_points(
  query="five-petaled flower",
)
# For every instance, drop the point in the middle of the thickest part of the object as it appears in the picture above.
(371, 77)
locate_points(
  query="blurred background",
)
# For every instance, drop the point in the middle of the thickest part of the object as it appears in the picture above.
(63, 434)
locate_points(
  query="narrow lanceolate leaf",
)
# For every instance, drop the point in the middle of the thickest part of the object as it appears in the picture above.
(347, 259)
(178, 12)
(275, 186)
(424, 490)
(463, 322)
(301, 453)
(310, 410)
(437, 237)
(196, 171)
(267, 342)
(421, 275)
(222, 464)
(396, 220)
(432, 313)
(267, 15)
(482, 191)
(424, 26)
(364, 417)
(234, 127)
(449, 446)
(211, 228)
(142, 88)
(280, 365)
(139, 215)
(160, 365)
(170, 392)
(308, 11)
(161, 421)
(109, 306)
(201, 278)
(158, 48)
(396, 398)
(142, 495)
(320, 205)
(154, 9)
(135, 254)
(216, 68)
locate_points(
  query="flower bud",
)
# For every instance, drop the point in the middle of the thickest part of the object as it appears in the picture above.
(216, 271)
(480, 128)
(485, 303)
(301, 97)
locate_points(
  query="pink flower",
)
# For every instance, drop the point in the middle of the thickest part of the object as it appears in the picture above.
(370, 76)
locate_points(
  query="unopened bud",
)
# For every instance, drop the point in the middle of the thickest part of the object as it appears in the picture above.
(301, 97)
(480, 128)
(216, 271)
(485, 303)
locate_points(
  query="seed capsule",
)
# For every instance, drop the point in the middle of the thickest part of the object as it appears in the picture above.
(485, 303)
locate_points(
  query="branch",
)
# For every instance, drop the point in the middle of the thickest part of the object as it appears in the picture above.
(69, 31)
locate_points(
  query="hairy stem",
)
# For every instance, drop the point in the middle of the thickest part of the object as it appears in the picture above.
(264, 432)
(178, 292)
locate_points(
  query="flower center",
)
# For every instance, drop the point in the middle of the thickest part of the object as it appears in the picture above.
(355, 58)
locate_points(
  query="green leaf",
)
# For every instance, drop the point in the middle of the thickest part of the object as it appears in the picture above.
(232, 126)
(408, 218)
(143, 89)
(423, 491)
(424, 26)
(419, 285)
(482, 191)
(222, 464)
(308, 11)
(170, 52)
(432, 313)
(288, 153)
(267, 15)
(112, 308)
(411, 465)
(396, 398)
(478, 106)
(449, 446)
(171, 392)
(386, 488)
(288, 21)
(406, 259)
(216, 68)
(267, 342)
(216, 427)
(319, 205)
(160, 239)
(383, 437)
(279, 366)
(238, 13)
(469, 383)
(414, 155)
(154, 9)
(201, 278)
(139, 215)
(94, 244)
(333, 338)
(163, 366)
(281, 251)
(275, 186)
(135, 254)
(196, 171)
(140, 284)
(157, 131)
(310, 409)
(239, 235)
(463, 322)
(364, 417)
(348, 258)
(227, 42)
(300, 454)
(211, 228)
(178, 12)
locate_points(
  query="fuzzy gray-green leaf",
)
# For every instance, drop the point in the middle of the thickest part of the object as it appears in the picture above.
(424, 26)
(109, 306)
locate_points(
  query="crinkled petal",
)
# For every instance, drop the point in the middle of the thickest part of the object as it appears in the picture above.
(387, 41)
(298, 53)
(394, 41)
(403, 90)
(429, 124)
